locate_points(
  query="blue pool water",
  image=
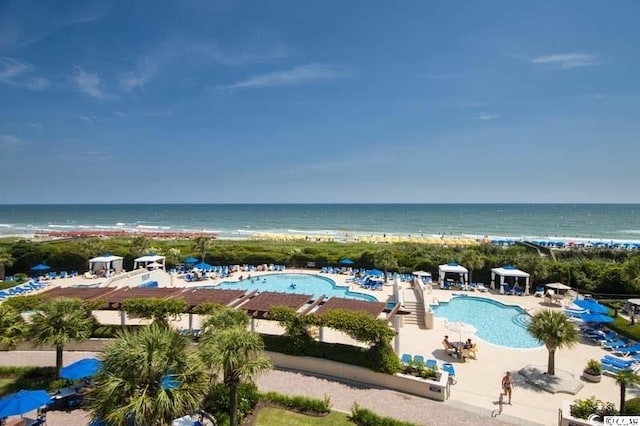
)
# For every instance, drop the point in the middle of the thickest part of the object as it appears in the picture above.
(304, 284)
(149, 284)
(496, 323)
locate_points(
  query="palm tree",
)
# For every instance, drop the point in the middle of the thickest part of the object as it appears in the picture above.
(12, 328)
(91, 247)
(556, 332)
(229, 347)
(201, 245)
(147, 377)
(60, 322)
(625, 378)
(386, 260)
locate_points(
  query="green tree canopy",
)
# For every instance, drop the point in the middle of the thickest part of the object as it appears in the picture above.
(58, 323)
(12, 327)
(555, 331)
(149, 376)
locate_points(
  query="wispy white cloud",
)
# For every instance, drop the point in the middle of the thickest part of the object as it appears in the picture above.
(567, 60)
(9, 141)
(19, 73)
(86, 119)
(304, 74)
(24, 22)
(486, 116)
(181, 51)
(87, 82)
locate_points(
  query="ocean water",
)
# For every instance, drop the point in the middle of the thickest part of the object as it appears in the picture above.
(589, 221)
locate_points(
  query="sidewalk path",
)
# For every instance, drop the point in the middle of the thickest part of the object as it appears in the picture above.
(381, 401)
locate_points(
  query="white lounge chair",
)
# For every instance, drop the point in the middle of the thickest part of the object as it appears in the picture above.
(481, 287)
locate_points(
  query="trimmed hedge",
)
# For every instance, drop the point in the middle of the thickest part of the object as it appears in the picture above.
(363, 417)
(345, 354)
(300, 404)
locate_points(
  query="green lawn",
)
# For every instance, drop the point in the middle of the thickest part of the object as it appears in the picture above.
(268, 416)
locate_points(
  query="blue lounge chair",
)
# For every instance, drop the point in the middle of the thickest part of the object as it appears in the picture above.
(539, 292)
(617, 344)
(432, 363)
(611, 369)
(614, 359)
(628, 350)
(615, 363)
(449, 368)
(481, 287)
(406, 359)
(418, 359)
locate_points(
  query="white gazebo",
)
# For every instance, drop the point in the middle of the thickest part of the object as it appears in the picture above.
(509, 271)
(459, 271)
(107, 262)
(150, 260)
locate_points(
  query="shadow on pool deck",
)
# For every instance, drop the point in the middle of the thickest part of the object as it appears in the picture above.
(561, 382)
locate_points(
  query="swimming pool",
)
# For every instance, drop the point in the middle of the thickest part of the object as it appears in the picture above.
(304, 284)
(496, 323)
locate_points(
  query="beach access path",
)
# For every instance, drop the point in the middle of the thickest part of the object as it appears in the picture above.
(384, 402)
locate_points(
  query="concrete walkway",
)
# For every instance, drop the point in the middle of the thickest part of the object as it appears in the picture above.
(381, 401)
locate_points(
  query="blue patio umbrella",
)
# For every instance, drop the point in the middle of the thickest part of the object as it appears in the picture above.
(204, 266)
(375, 273)
(592, 306)
(40, 267)
(190, 261)
(81, 369)
(23, 402)
(346, 262)
(169, 382)
(593, 318)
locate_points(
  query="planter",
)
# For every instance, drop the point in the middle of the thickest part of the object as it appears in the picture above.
(593, 378)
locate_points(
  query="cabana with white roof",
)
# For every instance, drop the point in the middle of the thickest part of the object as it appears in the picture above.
(461, 273)
(150, 260)
(106, 262)
(509, 271)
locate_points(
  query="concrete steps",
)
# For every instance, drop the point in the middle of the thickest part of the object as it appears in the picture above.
(416, 317)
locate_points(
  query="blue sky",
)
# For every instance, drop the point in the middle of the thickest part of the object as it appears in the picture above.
(307, 101)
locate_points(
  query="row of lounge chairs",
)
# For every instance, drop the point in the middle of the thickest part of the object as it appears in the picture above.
(22, 289)
(449, 285)
(625, 353)
(408, 359)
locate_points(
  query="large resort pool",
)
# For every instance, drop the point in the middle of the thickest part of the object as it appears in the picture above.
(296, 284)
(496, 323)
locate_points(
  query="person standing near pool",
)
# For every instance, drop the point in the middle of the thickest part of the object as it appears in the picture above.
(507, 386)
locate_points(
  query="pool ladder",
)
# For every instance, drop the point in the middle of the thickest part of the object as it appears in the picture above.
(435, 301)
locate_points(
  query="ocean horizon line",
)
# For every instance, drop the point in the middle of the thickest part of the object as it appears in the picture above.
(329, 204)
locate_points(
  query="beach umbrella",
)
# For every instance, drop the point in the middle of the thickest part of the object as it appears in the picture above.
(593, 318)
(23, 402)
(81, 369)
(40, 267)
(592, 306)
(460, 328)
(346, 262)
(375, 273)
(204, 266)
(190, 261)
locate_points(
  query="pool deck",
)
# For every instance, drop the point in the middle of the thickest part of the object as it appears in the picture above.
(478, 381)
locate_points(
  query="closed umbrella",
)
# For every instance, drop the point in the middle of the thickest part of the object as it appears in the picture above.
(460, 328)
(23, 402)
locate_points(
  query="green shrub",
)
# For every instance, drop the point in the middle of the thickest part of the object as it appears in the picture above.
(363, 417)
(583, 408)
(217, 401)
(632, 407)
(300, 404)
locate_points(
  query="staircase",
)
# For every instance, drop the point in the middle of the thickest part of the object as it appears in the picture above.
(416, 317)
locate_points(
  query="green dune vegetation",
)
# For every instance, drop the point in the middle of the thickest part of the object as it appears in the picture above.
(602, 271)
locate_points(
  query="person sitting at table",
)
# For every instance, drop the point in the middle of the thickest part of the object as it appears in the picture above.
(447, 345)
